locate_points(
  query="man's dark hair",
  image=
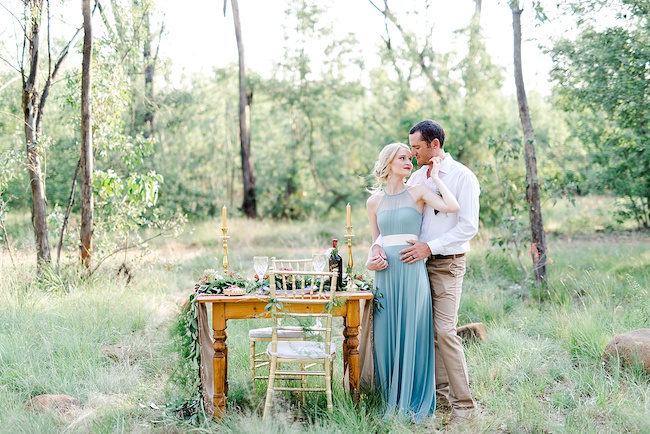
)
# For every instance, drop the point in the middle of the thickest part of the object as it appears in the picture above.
(430, 130)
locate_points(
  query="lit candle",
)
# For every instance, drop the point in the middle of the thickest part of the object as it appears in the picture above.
(349, 215)
(223, 217)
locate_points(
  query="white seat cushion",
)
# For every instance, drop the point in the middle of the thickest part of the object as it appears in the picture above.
(286, 332)
(302, 350)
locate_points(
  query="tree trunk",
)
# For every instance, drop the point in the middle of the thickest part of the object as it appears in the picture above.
(33, 135)
(148, 78)
(538, 246)
(87, 207)
(249, 205)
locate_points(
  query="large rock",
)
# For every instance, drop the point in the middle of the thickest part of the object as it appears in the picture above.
(630, 347)
(475, 330)
(53, 403)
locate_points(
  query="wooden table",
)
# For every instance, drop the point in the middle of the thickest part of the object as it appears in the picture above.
(253, 306)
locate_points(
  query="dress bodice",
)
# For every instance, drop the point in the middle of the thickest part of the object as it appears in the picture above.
(398, 214)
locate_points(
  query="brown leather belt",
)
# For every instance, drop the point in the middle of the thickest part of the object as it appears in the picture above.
(458, 255)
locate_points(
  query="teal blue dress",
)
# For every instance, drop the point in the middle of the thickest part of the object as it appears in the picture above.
(403, 320)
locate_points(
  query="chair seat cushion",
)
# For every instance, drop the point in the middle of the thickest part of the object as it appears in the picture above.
(285, 332)
(302, 350)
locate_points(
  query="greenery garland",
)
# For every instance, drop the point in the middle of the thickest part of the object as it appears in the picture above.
(188, 403)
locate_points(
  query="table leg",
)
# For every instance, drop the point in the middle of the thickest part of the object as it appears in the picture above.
(220, 360)
(351, 334)
(345, 346)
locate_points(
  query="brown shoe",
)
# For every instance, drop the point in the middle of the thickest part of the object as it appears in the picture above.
(462, 415)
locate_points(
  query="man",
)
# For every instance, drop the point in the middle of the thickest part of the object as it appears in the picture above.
(444, 241)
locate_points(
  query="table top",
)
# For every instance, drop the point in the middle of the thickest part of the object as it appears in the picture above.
(213, 298)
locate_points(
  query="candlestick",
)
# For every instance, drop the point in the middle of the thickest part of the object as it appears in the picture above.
(348, 210)
(223, 217)
(349, 237)
(224, 239)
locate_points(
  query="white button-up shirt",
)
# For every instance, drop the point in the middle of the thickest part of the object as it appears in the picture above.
(449, 233)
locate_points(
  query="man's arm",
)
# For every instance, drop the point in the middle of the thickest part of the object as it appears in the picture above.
(467, 226)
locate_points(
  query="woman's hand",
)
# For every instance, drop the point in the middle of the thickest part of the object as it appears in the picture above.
(435, 168)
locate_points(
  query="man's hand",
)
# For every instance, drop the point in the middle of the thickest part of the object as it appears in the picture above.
(377, 261)
(419, 250)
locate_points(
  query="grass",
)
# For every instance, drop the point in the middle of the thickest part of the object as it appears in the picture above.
(539, 371)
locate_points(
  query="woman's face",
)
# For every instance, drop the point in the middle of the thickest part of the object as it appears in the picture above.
(401, 165)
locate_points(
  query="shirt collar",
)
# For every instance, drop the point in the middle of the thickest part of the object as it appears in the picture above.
(446, 164)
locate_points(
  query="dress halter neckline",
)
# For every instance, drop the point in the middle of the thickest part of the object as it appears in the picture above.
(396, 194)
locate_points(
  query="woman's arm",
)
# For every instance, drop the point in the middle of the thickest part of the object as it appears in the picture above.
(446, 203)
(374, 262)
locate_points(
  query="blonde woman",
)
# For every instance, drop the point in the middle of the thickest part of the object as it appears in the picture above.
(403, 327)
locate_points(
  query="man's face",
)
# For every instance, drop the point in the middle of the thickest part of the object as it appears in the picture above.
(420, 149)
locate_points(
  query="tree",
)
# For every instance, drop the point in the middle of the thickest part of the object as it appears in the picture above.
(423, 56)
(33, 108)
(249, 204)
(602, 76)
(150, 61)
(86, 160)
(478, 115)
(538, 238)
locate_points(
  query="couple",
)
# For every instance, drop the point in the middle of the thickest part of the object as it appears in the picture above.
(422, 230)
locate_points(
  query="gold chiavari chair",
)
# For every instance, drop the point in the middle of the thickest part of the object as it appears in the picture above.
(300, 287)
(259, 361)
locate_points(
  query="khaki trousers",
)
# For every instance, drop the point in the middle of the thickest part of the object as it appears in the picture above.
(452, 381)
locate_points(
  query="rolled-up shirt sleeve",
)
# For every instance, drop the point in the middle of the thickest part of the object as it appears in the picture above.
(467, 226)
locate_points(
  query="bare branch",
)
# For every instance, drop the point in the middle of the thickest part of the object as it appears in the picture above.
(6, 237)
(376, 7)
(49, 45)
(412, 47)
(125, 248)
(67, 213)
(7, 84)
(20, 23)
(162, 29)
(52, 76)
(10, 64)
(107, 24)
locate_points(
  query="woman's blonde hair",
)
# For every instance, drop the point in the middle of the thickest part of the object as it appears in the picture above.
(382, 165)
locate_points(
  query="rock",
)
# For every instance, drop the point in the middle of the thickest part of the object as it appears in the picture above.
(54, 403)
(116, 352)
(630, 347)
(475, 330)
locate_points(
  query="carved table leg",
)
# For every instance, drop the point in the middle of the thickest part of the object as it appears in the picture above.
(345, 346)
(351, 333)
(220, 361)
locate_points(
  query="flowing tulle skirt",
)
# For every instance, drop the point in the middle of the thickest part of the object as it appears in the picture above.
(403, 338)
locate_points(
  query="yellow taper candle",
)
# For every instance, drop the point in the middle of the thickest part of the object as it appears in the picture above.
(348, 214)
(223, 217)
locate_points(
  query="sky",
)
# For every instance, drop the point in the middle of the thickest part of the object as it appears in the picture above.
(211, 42)
(198, 37)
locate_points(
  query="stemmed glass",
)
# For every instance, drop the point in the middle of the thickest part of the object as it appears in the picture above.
(260, 263)
(318, 261)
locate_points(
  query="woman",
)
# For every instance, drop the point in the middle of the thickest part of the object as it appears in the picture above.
(403, 320)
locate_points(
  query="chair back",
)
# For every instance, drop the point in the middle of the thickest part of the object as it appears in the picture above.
(292, 264)
(292, 289)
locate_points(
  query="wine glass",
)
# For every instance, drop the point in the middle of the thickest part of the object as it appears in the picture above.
(318, 261)
(260, 263)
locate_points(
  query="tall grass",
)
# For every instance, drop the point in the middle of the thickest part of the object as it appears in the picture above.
(539, 371)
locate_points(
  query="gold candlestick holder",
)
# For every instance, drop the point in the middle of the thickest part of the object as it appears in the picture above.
(349, 236)
(224, 240)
